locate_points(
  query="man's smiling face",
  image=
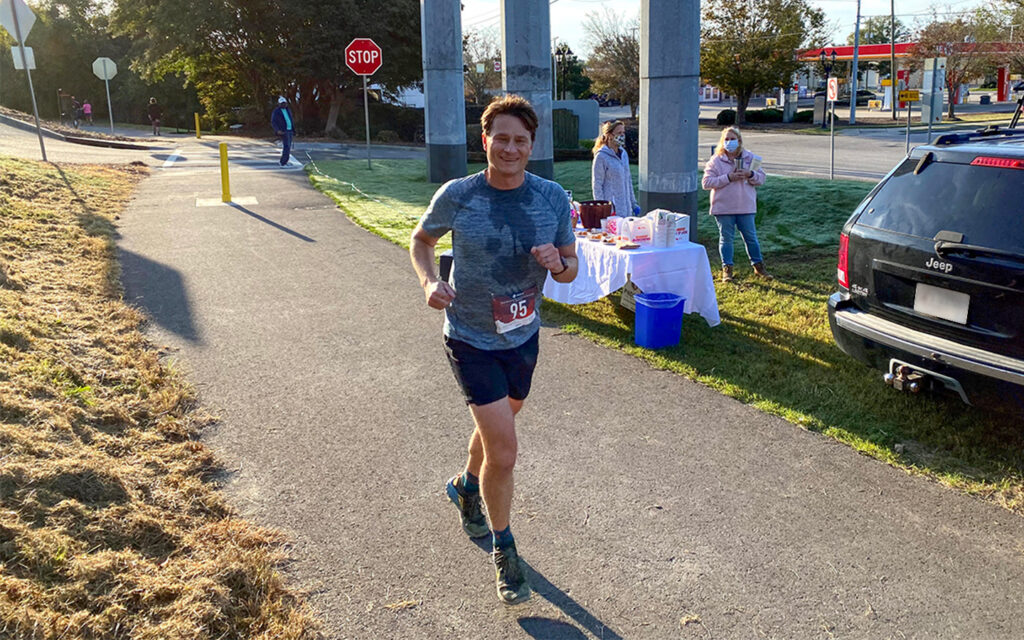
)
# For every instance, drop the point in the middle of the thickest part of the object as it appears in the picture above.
(508, 146)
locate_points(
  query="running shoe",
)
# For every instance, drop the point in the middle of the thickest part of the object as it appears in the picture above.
(510, 576)
(472, 516)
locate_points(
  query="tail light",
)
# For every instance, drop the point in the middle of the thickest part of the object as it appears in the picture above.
(1003, 163)
(842, 274)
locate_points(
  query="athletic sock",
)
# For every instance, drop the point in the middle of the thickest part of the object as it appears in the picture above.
(470, 483)
(503, 539)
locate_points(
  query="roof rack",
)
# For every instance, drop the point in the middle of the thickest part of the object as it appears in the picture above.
(987, 132)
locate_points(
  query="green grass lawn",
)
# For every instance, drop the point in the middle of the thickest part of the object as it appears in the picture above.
(774, 349)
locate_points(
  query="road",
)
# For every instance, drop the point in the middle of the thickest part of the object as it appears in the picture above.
(861, 157)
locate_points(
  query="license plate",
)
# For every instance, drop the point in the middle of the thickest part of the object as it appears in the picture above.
(941, 303)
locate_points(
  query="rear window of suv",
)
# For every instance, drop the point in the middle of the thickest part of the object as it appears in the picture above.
(986, 204)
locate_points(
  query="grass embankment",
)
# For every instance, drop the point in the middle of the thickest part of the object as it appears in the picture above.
(774, 348)
(110, 526)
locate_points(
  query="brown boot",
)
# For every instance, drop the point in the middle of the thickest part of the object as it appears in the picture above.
(727, 273)
(761, 271)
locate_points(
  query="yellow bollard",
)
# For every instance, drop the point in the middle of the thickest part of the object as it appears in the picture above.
(225, 188)
(197, 126)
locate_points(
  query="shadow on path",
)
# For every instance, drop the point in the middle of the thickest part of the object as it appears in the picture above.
(277, 226)
(160, 292)
(539, 627)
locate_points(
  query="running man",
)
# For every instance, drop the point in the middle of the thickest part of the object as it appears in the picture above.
(509, 230)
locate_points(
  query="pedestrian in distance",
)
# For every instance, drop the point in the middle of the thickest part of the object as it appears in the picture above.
(156, 113)
(733, 175)
(76, 112)
(87, 110)
(284, 126)
(510, 229)
(610, 178)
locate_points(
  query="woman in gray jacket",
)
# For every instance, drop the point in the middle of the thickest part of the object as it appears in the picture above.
(610, 178)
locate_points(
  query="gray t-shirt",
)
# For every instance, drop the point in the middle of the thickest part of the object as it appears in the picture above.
(492, 234)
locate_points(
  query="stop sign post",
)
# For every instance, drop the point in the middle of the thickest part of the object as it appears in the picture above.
(364, 58)
(105, 69)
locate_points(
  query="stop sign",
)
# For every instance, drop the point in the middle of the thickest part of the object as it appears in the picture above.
(363, 56)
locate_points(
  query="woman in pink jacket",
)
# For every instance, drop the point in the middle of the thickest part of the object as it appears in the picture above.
(732, 175)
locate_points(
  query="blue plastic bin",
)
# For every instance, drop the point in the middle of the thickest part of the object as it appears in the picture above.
(659, 320)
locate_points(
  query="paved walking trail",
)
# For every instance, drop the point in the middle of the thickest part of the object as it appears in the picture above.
(643, 500)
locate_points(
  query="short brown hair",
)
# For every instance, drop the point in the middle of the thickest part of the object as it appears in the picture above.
(510, 105)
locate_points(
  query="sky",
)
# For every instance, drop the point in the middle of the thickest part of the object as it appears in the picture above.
(567, 16)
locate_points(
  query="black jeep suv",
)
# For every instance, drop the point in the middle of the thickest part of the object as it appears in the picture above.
(931, 271)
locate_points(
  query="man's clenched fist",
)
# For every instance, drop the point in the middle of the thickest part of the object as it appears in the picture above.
(439, 294)
(548, 257)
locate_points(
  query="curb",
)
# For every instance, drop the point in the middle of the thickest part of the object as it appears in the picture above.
(31, 128)
(94, 142)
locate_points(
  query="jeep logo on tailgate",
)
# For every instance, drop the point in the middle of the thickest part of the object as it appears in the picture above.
(944, 267)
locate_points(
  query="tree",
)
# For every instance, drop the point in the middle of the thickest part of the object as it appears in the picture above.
(572, 77)
(1013, 33)
(614, 63)
(240, 53)
(234, 54)
(962, 41)
(481, 47)
(751, 46)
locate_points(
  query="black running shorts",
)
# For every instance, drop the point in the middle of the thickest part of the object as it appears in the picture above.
(489, 376)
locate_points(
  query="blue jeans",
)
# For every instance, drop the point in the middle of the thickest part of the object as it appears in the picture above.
(286, 147)
(727, 225)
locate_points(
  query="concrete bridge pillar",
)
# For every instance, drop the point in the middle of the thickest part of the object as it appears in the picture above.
(669, 107)
(526, 70)
(444, 112)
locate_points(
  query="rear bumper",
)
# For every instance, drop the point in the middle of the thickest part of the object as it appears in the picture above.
(985, 376)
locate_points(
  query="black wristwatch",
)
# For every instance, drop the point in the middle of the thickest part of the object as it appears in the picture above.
(565, 265)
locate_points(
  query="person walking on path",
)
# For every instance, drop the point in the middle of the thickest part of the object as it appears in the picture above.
(510, 229)
(87, 110)
(76, 112)
(610, 178)
(156, 113)
(284, 127)
(733, 175)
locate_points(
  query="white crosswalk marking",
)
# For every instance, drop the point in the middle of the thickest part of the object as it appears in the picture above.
(172, 158)
(242, 157)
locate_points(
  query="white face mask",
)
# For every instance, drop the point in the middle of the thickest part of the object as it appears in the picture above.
(731, 145)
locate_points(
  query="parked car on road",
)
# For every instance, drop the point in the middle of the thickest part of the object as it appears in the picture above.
(931, 271)
(863, 95)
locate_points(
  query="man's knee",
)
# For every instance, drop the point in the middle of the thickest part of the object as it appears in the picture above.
(501, 456)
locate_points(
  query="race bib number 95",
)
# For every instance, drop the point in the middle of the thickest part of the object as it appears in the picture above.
(512, 312)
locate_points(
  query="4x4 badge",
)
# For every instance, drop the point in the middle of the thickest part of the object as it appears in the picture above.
(858, 290)
(944, 267)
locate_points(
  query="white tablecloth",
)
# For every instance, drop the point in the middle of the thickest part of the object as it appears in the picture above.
(683, 270)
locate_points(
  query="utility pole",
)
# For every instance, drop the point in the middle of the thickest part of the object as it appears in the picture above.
(892, 55)
(853, 80)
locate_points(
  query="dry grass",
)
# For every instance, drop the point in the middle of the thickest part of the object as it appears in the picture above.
(110, 526)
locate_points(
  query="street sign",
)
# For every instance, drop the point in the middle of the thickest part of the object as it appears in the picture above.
(480, 68)
(25, 18)
(104, 68)
(910, 96)
(30, 58)
(497, 66)
(833, 89)
(363, 57)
